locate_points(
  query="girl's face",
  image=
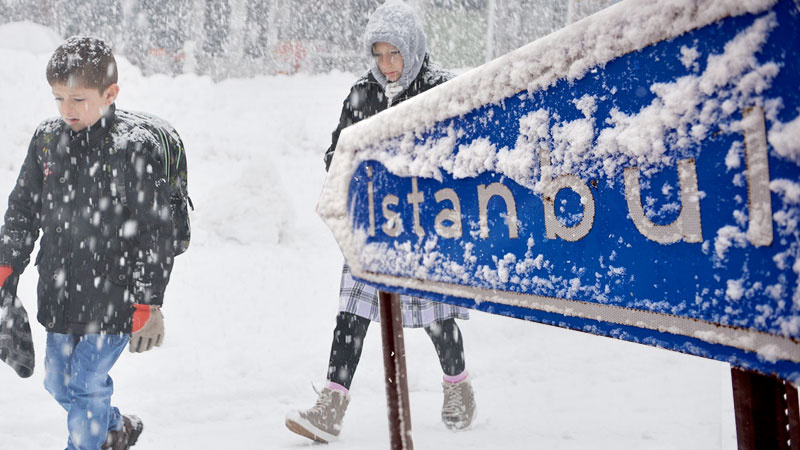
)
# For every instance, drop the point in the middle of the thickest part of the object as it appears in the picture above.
(388, 59)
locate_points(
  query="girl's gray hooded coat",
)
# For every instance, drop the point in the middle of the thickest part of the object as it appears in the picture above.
(396, 23)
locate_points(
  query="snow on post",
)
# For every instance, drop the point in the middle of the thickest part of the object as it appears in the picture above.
(633, 175)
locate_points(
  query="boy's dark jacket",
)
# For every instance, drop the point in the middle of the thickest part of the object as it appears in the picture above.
(97, 256)
(367, 98)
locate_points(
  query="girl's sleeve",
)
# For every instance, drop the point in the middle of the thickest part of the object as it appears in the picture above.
(346, 119)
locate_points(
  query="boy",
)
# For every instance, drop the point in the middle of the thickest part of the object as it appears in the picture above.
(105, 257)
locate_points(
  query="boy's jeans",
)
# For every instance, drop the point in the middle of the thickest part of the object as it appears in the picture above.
(76, 374)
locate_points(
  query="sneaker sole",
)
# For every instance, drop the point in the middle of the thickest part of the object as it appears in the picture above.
(297, 424)
(464, 428)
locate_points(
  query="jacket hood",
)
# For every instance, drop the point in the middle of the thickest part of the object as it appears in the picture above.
(396, 23)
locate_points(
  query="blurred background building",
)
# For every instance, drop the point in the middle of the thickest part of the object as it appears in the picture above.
(240, 38)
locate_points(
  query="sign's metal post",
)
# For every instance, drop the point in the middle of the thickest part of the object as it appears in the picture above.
(394, 361)
(766, 411)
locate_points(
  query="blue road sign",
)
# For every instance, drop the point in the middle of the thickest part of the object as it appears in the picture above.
(635, 175)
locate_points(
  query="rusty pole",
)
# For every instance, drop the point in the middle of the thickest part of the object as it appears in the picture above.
(766, 412)
(394, 362)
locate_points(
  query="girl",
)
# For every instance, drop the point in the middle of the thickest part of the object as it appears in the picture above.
(401, 69)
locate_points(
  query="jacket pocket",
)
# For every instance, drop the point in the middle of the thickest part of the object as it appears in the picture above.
(51, 276)
(117, 271)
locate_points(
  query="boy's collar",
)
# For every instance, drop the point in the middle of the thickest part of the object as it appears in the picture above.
(106, 120)
(98, 127)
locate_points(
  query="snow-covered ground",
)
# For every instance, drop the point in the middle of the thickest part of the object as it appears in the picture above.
(250, 309)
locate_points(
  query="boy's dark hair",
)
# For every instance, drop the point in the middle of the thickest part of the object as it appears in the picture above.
(83, 61)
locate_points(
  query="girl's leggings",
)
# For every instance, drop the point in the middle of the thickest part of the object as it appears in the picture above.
(348, 340)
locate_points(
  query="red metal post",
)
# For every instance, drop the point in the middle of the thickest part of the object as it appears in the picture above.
(394, 362)
(766, 412)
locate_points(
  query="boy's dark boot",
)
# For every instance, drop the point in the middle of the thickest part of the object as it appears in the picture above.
(323, 422)
(125, 438)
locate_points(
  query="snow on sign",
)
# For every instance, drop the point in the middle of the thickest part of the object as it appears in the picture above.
(634, 175)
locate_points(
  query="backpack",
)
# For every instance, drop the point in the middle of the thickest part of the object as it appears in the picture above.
(173, 158)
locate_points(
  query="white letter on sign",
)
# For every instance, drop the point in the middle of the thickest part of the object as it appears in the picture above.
(686, 226)
(485, 193)
(394, 224)
(448, 215)
(552, 226)
(371, 195)
(759, 230)
(415, 198)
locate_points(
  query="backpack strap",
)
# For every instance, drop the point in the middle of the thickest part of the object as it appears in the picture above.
(116, 162)
(165, 148)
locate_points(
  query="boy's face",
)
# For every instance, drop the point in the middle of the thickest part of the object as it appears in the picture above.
(388, 59)
(81, 107)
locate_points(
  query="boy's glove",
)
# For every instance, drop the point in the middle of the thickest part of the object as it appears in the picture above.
(5, 272)
(148, 328)
(16, 345)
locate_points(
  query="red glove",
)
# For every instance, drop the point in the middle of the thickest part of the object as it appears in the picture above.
(148, 328)
(5, 272)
